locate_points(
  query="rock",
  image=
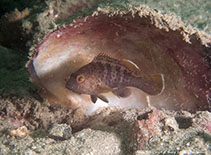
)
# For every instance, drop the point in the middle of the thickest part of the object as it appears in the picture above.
(20, 132)
(62, 131)
(90, 141)
(162, 132)
(113, 131)
(109, 130)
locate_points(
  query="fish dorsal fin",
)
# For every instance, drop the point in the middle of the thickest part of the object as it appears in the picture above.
(130, 65)
(99, 57)
(102, 57)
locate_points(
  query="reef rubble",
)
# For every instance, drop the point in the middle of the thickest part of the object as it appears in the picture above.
(43, 118)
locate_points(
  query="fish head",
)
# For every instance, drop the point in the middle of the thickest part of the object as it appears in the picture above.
(82, 81)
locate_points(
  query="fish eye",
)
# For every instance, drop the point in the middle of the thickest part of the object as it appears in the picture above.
(80, 78)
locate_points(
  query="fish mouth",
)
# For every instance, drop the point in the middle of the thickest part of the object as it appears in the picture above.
(70, 87)
(156, 48)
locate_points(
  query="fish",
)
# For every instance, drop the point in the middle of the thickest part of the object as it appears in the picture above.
(106, 74)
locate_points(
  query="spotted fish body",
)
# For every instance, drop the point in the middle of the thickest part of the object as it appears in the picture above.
(106, 74)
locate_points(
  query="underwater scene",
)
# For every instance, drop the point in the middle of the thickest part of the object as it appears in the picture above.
(105, 77)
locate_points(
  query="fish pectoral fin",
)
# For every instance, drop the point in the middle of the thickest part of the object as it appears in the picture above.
(103, 98)
(122, 92)
(93, 98)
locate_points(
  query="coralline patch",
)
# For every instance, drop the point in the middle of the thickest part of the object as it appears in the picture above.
(156, 43)
(155, 129)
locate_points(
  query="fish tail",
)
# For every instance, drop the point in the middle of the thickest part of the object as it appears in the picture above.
(151, 84)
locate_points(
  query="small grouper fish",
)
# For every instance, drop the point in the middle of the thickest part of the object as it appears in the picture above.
(105, 74)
